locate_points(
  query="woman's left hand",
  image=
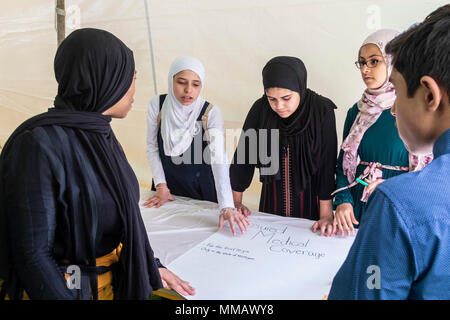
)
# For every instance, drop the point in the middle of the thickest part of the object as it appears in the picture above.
(233, 215)
(372, 185)
(172, 281)
(325, 225)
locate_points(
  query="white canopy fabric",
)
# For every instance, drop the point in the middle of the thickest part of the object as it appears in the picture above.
(233, 39)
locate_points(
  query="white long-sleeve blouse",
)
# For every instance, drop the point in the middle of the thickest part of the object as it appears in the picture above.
(219, 160)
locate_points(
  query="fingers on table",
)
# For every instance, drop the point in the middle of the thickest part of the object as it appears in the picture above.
(345, 225)
(221, 220)
(323, 229)
(329, 230)
(342, 225)
(184, 288)
(151, 202)
(241, 220)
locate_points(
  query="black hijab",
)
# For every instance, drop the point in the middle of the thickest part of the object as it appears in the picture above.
(94, 70)
(302, 130)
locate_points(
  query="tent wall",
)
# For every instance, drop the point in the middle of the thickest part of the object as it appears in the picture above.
(234, 39)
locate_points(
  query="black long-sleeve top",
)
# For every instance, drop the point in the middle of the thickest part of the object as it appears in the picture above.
(280, 195)
(37, 192)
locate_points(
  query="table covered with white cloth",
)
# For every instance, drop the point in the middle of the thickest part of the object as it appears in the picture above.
(277, 258)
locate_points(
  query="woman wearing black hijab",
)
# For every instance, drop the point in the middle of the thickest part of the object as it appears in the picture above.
(68, 196)
(298, 175)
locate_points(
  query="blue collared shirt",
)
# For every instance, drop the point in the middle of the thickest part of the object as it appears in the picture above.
(402, 247)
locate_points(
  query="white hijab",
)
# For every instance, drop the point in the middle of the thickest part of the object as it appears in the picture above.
(177, 120)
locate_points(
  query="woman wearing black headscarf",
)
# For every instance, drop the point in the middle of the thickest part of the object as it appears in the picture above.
(68, 196)
(297, 162)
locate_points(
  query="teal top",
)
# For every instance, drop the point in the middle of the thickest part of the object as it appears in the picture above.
(380, 143)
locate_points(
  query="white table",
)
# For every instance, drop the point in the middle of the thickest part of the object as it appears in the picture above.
(178, 226)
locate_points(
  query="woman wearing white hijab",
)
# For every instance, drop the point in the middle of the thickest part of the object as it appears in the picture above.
(185, 144)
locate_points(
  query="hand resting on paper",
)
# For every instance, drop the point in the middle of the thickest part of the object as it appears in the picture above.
(243, 209)
(172, 281)
(237, 198)
(161, 196)
(344, 218)
(233, 215)
(324, 225)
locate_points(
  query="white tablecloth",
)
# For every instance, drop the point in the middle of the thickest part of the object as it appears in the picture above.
(180, 225)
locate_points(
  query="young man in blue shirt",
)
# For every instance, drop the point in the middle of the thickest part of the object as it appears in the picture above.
(402, 249)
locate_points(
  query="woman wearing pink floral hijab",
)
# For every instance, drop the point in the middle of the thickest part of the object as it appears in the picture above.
(370, 134)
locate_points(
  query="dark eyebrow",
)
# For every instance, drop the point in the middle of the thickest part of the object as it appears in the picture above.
(181, 78)
(374, 55)
(288, 95)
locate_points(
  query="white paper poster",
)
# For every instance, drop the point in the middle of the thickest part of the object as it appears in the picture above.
(269, 261)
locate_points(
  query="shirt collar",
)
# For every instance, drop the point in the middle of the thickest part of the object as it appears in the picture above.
(442, 144)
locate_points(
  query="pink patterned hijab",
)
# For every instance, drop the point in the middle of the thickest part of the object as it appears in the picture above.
(372, 103)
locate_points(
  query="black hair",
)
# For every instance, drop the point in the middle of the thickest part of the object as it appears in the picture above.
(424, 49)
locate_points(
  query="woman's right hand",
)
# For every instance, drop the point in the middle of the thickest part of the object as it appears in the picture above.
(344, 219)
(233, 216)
(161, 196)
(242, 209)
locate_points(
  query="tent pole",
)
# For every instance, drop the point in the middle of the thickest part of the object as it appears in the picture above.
(151, 46)
(60, 20)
